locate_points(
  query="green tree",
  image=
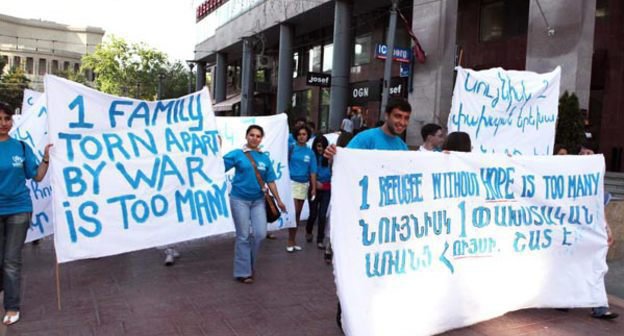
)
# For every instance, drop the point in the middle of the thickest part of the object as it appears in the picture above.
(12, 86)
(126, 69)
(570, 130)
(175, 81)
(74, 76)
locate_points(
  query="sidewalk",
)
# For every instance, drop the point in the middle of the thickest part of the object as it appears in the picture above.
(294, 294)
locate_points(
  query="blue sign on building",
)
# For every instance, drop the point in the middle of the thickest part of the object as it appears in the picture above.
(400, 54)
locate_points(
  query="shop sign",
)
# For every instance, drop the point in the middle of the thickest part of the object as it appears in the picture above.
(318, 79)
(400, 54)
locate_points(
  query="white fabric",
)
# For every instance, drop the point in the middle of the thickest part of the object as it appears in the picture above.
(275, 143)
(506, 111)
(347, 125)
(32, 129)
(173, 143)
(457, 267)
(29, 100)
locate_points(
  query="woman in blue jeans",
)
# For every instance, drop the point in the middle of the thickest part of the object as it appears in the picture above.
(17, 164)
(247, 201)
(319, 205)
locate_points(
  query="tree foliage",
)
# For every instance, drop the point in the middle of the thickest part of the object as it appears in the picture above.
(126, 69)
(570, 130)
(12, 85)
(175, 81)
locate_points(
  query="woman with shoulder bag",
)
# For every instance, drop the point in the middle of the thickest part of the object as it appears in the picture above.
(253, 174)
(17, 164)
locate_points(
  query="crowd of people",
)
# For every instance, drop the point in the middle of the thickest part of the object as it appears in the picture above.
(254, 179)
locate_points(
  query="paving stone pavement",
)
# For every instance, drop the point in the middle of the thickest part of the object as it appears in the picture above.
(294, 294)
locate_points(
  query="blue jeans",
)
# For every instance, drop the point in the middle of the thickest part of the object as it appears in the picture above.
(13, 230)
(318, 210)
(251, 227)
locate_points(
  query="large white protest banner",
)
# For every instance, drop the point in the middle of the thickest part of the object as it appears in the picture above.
(29, 100)
(274, 143)
(424, 248)
(32, 130)
(130, 174)
(506, 111)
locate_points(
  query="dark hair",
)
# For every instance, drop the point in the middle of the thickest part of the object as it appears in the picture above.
(311, 125)
(323, 141)
(6, 108)
(429, 129)
(458, 142)
(259, 128)
(343, 139)
(300, 119)
(304, 127)
(557, 148)
(400, 104)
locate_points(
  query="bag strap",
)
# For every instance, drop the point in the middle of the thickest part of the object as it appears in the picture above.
(258, 177)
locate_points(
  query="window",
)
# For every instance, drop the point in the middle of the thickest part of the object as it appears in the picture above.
(362, 50)
(602, 8)
(66, 66)
(501, 19)
(43, 66)
(17, 62)
(314, 59)
(328, 57)
(324, 109)
(5, 62)
(301, 104)
(295, 64)
(30, 65)
(76, 67)
(55, 67)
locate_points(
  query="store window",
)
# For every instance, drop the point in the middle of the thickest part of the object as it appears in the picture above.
(43, 66)
(323, 122)
(602, 8)
(362, 50)
(301, 104)
(328, 57)
(314, 59)
(296, 65)
(502, 19)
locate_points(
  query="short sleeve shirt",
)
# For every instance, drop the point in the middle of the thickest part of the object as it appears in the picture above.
(17, 164)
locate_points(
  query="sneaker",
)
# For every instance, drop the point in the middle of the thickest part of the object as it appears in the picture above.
(606, 316)
(328, 258)
(175, 253)
(170, 256)
(290, 249)
(297, 248)
(320, 246)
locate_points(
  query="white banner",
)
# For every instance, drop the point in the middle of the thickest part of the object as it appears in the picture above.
(32, 129)
(130, 174)
(232, 131)
(29, 100)
(424, 248)
(506, 111)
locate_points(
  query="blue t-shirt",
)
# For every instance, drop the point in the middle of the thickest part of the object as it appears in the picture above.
(301, 163)
(375, 138)
(245, 184)
(17, 164)
(323, 174)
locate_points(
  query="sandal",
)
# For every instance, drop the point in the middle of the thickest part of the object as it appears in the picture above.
(11, 319)
(606, 316)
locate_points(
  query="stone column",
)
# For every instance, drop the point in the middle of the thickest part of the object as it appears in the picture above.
(247, 78)
(285, 69)
(341, 63)
(200, 81)
(435, 25)
(220, 79)
(569, 43)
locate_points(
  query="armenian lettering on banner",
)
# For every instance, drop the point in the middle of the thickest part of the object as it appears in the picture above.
(506, 111)
(425, 248)
(275, 144)
(130, 174)
(32, 129)
(29, 100)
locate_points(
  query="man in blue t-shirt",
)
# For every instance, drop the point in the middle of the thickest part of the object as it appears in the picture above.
(386, 137)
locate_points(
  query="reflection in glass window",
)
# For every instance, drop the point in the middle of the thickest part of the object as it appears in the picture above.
(328, 57)
(324, 111)
(295, 64)
(491, 24)
(500, 19)
(362, 50)
(314, 59)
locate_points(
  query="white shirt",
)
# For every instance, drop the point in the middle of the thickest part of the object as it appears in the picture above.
(347, 125)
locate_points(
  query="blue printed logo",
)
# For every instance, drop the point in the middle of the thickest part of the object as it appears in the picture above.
(306, 159)
(261, 166)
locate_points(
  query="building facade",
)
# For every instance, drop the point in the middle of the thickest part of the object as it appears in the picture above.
(42, 47)
(320, 58)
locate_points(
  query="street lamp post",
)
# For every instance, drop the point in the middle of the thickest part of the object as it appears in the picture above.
(191, 65)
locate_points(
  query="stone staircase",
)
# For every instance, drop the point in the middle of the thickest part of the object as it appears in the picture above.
(614, 183)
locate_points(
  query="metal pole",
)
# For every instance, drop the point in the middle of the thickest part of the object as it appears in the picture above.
(200, 81)
(247, 78)
(220, 78)
(389, 56)
(191, 65)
